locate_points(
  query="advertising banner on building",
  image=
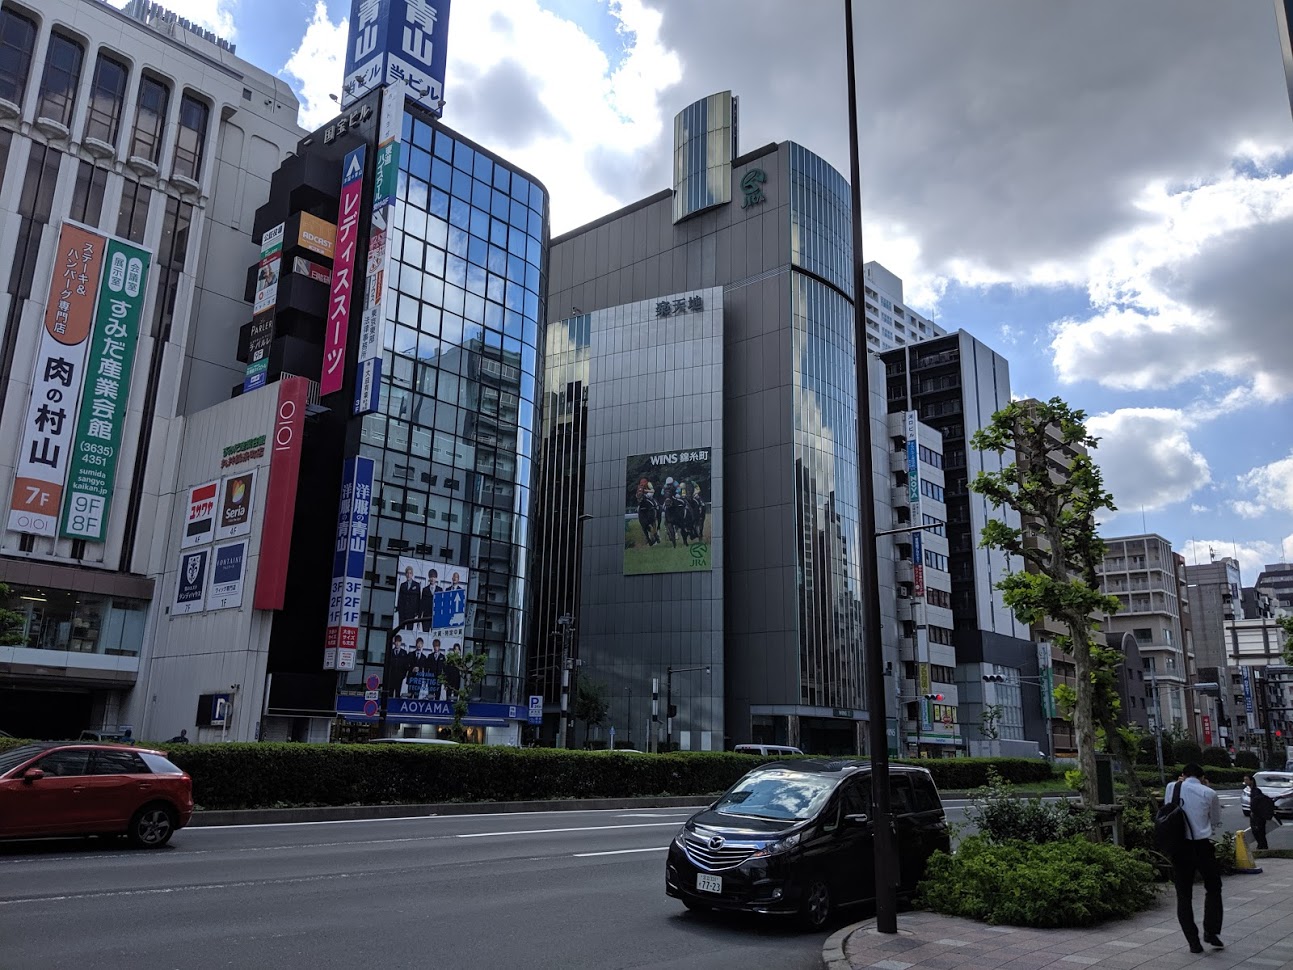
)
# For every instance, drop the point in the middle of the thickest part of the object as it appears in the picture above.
(368, 375)
(200, 515)
(343, 272)
(317, 235)
(430, 626)
(280, 494)
(45, 437)
(306, 267)
(191, 583)
(926, 687)
(397, 42)
(667, 527)
(93, 471)
(237, 492)
(228, 567)
(261, 335)
(342, 639)
(1046, 677)
(1207, 730)
(918, 564)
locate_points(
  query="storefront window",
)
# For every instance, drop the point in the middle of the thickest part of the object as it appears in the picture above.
(56, 619)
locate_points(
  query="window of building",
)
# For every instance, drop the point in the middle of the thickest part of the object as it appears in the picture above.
(17, 41)
(6, 139)
(34, 206)
(62, 75)
(87, 195)
(107, 96)
(191, 139)
(938, 634)
(935, 560)
(77, 622)
(150, 119)
(930, 490)
(935, 522)
(132, 217)
(930, 457)
(938, 597)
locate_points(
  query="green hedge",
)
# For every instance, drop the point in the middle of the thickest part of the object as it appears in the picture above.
(262, 775)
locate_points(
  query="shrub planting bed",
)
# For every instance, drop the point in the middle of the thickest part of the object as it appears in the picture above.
(262, 775)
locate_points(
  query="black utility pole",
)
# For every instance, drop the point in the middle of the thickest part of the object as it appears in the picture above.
(885, 845)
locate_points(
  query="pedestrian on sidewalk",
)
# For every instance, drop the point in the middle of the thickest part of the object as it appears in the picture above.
(1203, 812)
(1261, 809)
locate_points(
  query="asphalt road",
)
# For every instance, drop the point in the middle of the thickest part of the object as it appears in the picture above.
(560, 890)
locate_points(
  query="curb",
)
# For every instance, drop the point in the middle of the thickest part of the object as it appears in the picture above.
(833, 949)
(352, 813)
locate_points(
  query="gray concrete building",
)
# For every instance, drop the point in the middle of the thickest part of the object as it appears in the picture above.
(715, 317)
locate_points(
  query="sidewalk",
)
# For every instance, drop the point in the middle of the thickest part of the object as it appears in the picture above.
(1258, 933)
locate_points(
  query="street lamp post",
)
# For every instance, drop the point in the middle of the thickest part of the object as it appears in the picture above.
(568, 664)
(668, 698)
(885, 848)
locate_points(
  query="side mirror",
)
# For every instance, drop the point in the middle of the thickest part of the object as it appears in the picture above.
(857, 820)
(31, 775)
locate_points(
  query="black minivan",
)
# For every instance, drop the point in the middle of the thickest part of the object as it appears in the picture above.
(795, 837)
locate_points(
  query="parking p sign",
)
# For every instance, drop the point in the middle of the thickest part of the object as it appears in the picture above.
(536, 708)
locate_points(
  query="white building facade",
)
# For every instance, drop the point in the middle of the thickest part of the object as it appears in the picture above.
(118, 128)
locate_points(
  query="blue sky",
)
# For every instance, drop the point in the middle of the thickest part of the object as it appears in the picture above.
(1101, 191)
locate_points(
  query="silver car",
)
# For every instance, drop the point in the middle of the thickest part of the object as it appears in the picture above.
(1278, 785)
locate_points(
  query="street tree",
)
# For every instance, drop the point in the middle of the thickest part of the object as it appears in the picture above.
(471, 671)
(1058, 508)
(13, 623)
(591, 705)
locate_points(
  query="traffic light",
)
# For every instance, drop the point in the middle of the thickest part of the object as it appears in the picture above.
(994, 678)
(673, 710)
(933, 697)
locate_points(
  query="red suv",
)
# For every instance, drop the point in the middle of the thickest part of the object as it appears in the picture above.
(92, 789)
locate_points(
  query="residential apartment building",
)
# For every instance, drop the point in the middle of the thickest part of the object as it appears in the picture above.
(134, 151)
(1142, 572)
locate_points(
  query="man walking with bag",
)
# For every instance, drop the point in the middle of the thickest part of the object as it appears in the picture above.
(1202, 811)
(1261, 809)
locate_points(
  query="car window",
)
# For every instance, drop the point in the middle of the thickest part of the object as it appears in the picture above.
(118, 763)
(777, 794)
(1268, 780)
(12, 758)
(901, 796)
(159, 765)
(926, 794)
(62, 764)
(857, 797)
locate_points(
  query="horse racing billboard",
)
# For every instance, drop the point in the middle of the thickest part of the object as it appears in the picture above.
(667, 526)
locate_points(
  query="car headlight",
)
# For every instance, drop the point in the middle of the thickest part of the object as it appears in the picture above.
(680, 839)
(777, 847)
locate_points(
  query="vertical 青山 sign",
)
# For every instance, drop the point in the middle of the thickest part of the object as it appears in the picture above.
(342, 641)
(97, 444)
(261, 336)
(45, 437)
(343, 273)
(397, 42)
(280, 495)
(368, 379)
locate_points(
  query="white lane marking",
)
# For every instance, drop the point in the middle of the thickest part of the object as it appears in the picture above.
(589, 855)
(173, 889)
(418, 818)
(657, 815)
(580, 828)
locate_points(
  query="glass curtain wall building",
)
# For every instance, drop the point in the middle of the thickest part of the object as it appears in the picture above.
(453, 438)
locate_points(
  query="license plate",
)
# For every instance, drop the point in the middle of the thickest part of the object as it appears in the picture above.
(709, 884)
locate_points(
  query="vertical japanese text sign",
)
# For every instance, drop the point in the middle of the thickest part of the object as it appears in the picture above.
(262, 321)
(381, 241)
(97, 444)
(348, 557)
(46, 435)
(397, 42)
(343, 272)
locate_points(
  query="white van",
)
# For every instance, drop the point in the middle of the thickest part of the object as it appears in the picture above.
(767, 750)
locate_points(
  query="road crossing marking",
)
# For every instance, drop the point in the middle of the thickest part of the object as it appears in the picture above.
(589, 855)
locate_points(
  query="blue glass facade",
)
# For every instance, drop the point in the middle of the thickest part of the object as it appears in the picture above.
(453, 438)
(823, 369)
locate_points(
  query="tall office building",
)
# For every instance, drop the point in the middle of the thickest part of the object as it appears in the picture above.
(955, 384)
(134, 150)
(396, 317)
(1277, 580)
(698, 463)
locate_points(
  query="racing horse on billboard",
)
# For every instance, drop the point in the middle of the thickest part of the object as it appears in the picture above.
(681, 520)
(648, 512)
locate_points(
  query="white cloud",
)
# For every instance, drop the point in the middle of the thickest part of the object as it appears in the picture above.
(1252, 555)
(1147, 458)
(317, 64)
(1272, 485)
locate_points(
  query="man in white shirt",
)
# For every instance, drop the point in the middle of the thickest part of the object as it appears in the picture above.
(1203, 812)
